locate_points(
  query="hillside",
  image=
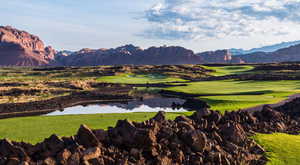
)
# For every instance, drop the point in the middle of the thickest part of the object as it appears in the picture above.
(290, 54)
(19, 48)
(130, 54)
(269, 48)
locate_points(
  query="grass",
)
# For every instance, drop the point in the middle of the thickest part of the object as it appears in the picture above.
(282, 149)
(35, 129)
(228, 70)
(220, 95)
(230, 103)
(232, 87)
(232, 95)
(139, 78)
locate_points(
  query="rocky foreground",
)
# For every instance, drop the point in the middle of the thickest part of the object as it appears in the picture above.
(206, 137)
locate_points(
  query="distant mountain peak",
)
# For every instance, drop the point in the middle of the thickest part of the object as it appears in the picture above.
(266, 49)
(22, 48)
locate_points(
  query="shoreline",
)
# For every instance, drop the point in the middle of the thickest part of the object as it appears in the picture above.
(46, 111)
(65, 103)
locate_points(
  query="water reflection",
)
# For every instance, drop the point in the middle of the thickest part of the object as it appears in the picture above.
(154, 104)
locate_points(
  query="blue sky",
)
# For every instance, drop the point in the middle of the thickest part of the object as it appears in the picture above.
(199, 25)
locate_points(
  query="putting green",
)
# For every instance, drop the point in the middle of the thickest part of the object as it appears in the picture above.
(228, 70)
(233, 95)
(139, 78)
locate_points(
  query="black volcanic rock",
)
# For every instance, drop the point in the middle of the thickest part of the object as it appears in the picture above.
(202, 138)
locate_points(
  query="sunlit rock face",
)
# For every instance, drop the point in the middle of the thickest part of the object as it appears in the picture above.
(130, 54)
(219, 56)
(19, 48)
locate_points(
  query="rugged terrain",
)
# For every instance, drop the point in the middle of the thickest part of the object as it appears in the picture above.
(220, 57)
(35, 91)
(204, 137)
(290, 54)
(19, 48)
(130, 54)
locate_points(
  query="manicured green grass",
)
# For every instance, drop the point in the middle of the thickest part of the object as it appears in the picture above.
(35, 129)
(282, 149)
(232, 95)
(139, 78)
(230, 103)
(228, 70)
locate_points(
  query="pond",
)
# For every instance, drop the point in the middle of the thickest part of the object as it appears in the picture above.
(151, 104)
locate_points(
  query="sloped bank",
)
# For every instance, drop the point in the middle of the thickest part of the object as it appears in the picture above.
(103, 93)
(206, 137)
(9, 110)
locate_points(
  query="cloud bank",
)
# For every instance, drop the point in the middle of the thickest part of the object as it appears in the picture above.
(202, 19)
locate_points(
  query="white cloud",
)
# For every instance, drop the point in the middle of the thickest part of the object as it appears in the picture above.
(202, 19)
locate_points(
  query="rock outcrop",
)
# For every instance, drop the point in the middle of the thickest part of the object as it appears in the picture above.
(19, 48)
(219, 56)
(206, 137)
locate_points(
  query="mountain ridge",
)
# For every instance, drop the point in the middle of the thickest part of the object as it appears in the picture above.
(268, 48)
(130, 54)
(290, 54)
(19, 48)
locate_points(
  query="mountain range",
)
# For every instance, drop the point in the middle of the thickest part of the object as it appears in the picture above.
(20, 48)
(267, 49)
(129, 54)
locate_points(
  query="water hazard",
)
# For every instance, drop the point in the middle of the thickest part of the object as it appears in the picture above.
(152, 104)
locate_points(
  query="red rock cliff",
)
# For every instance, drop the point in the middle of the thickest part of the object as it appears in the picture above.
(20, 48)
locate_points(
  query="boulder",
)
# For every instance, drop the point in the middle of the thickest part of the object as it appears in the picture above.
(197, 140)
(49, 161)
(233, 132)
(7, 149)
(124, 133)
(63, 156)
(163, 160)
(74, 159)
(160, 116)
(91, 153)
(201, 114)
(185, 125)
(86, 137)
(269, 113)
(183, 118)
(101, 135)
(54, 144)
